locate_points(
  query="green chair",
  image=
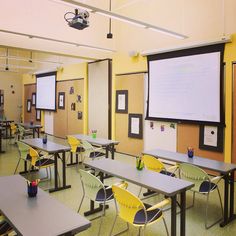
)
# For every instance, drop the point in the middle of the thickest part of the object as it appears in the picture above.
(96, 191)
(91, 151)
(202, 184)
(132, 210)
(23, 153)
(23, 132)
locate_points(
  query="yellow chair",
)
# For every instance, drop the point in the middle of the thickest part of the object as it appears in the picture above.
(14, 132)
(76, 148)
(132, 210)
(154, 164)
(39, 162)
(5, 227)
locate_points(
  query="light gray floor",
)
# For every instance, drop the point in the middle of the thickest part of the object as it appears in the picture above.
(71, 198)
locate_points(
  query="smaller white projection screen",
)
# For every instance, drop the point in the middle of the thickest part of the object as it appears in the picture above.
(46, 91)
(186, 87)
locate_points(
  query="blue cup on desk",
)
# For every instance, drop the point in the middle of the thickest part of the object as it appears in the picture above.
(45, 139)
(32, 188)
(190, 152)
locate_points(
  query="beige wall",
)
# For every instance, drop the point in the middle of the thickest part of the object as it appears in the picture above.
(12, 101)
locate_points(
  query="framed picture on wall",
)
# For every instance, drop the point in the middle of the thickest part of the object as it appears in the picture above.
(61, 100)
(135, 126)
(2, 99)
(33, 99)
(121, 101)
(38, 115)
(28, 105)
(211, 138)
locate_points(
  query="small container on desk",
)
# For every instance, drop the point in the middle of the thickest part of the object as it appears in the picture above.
(139, 163)
(45, 139)
(32, 188)
(94, 133)
(190, 152)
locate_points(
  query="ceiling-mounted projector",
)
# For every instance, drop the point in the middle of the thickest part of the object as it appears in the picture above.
(78, 19)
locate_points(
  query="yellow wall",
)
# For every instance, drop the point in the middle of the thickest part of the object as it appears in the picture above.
(229, 57)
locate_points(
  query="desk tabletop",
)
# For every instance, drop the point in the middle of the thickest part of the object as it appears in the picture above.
(95, 141)
(42, 215)
(6, 121)
(202, 162)
(50, 146)
(30, 126)
(164, 184)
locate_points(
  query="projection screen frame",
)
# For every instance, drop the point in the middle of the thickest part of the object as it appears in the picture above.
(189, 52)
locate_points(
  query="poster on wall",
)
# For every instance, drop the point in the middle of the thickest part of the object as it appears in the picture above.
(135, 126)
(33, 99)
(28, 105)
(211, 138)
(122, 101)
(38, 115)
(61, 100)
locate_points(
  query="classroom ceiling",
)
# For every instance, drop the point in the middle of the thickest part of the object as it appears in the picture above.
(37, 29)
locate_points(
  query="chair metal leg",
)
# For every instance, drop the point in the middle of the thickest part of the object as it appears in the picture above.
(17, 166)
(140, 192)
(167, 232)
(206, 216)
(102, 215)
(113, 225)
(81, 203)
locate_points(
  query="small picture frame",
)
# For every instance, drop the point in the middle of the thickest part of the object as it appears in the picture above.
(33, 99)
(38, 115)
(28, 105)
(61, 100)
(121, 101)
(135, 126)
(2, 99)
(80, 115)
(211, 138)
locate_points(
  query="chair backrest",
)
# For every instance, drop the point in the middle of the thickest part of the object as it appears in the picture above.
(193, 174)
(13, 128)
(34, 156)
(87, 146)
(152, 163)
(23, 149)
(91, 184)
(73, 142)
(127, 203)
(21, 130)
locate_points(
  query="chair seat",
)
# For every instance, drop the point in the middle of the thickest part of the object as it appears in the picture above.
(96, 154)
(153, 215)
(165, 172)
(44, 162)
(5, 228)
(80, 149)
(206, 187)
(101, 195)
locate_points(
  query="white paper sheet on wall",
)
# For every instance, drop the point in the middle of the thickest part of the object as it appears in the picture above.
(135, 125)
(121, 102)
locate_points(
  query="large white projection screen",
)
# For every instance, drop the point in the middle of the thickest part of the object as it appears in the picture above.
(186, 88)
(46, 91)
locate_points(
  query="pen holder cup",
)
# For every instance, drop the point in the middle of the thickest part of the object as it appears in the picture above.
(139, 164)
(190, 152)
(94, 135)
(45, 140)
(32, 190)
